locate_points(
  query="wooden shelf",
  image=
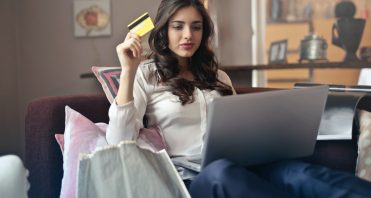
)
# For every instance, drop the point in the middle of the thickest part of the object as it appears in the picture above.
(318, 65)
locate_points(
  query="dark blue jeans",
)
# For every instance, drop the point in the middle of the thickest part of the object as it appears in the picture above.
(224, 178)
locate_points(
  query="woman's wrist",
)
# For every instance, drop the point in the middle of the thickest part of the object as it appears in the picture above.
(128, 73)
(131, 70)
(125, 91)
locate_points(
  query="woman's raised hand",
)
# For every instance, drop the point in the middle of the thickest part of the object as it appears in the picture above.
(129, 52)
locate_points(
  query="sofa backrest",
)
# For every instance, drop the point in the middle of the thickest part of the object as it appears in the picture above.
(45, 117)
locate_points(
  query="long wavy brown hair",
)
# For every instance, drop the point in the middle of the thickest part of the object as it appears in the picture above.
(203, 63)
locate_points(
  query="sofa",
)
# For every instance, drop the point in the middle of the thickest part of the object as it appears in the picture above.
(46, 116)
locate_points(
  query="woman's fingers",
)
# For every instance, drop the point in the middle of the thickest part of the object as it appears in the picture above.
(129, 51)
(138, 48)
(131, 44)
(132, 36)
(133, 50)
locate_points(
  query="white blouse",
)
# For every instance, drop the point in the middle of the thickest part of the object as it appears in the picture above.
(182, 127)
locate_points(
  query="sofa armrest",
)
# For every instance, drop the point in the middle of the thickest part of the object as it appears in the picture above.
(336, 154)
(45, 117)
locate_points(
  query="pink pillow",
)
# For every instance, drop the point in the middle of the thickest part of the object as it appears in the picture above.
(80, 136)
(109, 78)
(60, 140)
(83, 136)
(60, 136)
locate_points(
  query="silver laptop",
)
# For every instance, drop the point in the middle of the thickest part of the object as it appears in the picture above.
(257, 128)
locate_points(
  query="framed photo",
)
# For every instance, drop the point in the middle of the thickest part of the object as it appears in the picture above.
(278, 52)
(92, 18)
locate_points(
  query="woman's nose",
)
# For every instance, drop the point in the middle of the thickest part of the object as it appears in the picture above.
(187, 33)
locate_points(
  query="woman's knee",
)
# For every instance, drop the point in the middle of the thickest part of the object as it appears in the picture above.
(224, 178)
(218, 170)
(214, 180)
(280, 171)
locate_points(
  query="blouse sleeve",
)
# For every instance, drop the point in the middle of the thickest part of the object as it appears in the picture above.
(126, 120)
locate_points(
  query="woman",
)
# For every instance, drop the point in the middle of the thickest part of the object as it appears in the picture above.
(172, 91)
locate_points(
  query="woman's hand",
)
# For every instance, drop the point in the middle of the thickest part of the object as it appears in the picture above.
(129, 52)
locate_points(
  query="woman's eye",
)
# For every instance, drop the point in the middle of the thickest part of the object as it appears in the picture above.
(197, 28)
(177, 27)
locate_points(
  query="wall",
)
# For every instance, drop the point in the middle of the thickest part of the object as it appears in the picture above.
(49, 59)
(9, 126)
(234, 31)
(52, 58)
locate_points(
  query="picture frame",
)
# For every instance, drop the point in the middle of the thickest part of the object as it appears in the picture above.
(92, 18)
(278, 52)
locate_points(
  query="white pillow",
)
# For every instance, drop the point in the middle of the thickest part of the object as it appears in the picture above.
(13, 177)
(363, 168)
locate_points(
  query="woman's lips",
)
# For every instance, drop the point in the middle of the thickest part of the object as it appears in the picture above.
(187, 46)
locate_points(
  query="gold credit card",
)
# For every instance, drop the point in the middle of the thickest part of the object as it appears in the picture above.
(141, 25)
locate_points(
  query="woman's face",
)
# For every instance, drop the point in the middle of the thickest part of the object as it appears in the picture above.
(185, 32)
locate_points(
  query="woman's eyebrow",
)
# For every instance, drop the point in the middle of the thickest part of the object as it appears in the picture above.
(197, 22)
(182, 22)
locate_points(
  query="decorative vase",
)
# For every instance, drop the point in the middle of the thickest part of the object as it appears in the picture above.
(347, 34)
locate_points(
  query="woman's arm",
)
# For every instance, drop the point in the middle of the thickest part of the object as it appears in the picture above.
(125, 113)
(129, 54)
(125, 120)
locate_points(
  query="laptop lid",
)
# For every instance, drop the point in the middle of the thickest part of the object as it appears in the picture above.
(257, 128)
